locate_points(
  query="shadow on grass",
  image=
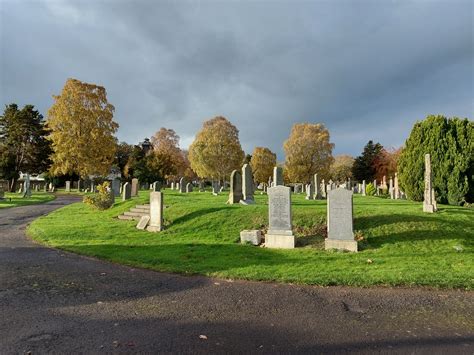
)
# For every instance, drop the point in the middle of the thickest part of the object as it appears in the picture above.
(198, 213)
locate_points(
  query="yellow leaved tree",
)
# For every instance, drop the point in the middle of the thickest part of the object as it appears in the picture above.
(82, 130)
(262, 162)
(216, 150)
(308, 151)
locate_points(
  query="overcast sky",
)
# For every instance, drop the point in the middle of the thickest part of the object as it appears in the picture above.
(366, 69)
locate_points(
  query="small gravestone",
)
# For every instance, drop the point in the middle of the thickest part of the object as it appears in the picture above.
(317, 188)
(126, 192)
(235, 194)
(156, 212)
(156, 186)
(309, 192)
(116, 186)
(143, 222)
(134, 190)
(189, 187)
(182, 185)
(68, 186)
(172, 186)
(280, 234)
(251, 236)
(339, 221)
(79, 185)
(390, 189)
(429, 202)
(278, 175)
(247, 185)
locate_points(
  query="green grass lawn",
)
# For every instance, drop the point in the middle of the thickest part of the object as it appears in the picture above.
(402, 246)
(18, 200)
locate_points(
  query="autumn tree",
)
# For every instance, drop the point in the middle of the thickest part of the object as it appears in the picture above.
(82, 130)
(386, 162)
(308, 151)
(23, 143)
(123, 153)
(341, 168)
(216, 150)
(262, 162)
(168, 157)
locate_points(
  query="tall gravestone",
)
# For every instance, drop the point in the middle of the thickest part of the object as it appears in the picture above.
(126, 192)
(317, 187)
(429, 202)
(339, 221)
(172, 186)
(396, 188)
(247, 185)
(235, 194)
(156, 186)
(156, 212)
(390, 188)
(79, 185)
(116, 186)
(68, 186)
(277, 175)
(363, 188)
(309, 192)
(182, 185)
(134, 187)
(27, 186)
(280, 234)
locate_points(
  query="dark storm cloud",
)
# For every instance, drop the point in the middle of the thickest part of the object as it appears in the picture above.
(368, 70)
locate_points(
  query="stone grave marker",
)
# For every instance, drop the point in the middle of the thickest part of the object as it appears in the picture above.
(189, 187)
(143, 222)
(134, 190)
(429, 202)
(156, 212)
(116, 186)
(182, 185)
(126, 192)
(280, 234)
(235, 194)
(247, 185)
(278, 175)
(68, 186)
(339, 220)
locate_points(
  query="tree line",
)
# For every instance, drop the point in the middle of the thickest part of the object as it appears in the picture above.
(78, 139)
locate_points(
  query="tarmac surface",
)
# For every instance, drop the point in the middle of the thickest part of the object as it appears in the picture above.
(57, 302)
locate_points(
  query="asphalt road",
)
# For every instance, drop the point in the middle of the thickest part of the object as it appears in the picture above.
(53, 301)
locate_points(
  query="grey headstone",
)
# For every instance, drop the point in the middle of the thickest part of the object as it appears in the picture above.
(126, 192)
(189, 187)
(116, 186)
(278, 175)
(235, 194)
(317, 187)
(68, 186)
(156, 212)
(396, 189)
(247, 185)
(134, 190)
(280, 234)
(363, 188)
(339, 221)
(182, 185)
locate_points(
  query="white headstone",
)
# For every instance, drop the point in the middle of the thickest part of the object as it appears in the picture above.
(156, 212)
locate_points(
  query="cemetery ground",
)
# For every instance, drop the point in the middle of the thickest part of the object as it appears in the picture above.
(13, 199)
(400, 245)
(54, 301)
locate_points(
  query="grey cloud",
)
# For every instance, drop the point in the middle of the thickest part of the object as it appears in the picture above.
(367, 69)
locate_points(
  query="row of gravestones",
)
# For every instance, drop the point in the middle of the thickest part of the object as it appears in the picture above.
(280, 234)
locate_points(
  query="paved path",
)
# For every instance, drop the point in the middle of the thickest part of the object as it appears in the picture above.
(52, 301)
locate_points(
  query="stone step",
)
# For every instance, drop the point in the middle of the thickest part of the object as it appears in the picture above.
(128, 218)
(146, 205)
(136, 214)
(141, 209)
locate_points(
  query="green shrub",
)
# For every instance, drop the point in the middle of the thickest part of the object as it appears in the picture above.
(370, 190)
(450, 142)
(102, 200)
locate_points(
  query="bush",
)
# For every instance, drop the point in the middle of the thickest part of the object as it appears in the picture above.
(450, 142)
(370, 190)
(102, 200)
